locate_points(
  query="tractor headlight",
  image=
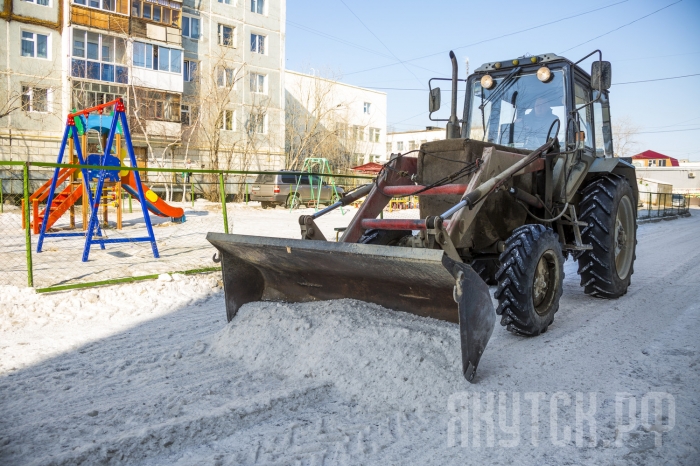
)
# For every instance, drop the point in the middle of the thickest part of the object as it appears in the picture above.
(544, 74)
(486, 82)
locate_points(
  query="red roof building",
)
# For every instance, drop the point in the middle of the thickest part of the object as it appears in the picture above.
(649, 158)
(370, 168)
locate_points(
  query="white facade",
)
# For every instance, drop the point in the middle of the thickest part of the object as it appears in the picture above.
(357, 116)
(685, 179)
(404, 141)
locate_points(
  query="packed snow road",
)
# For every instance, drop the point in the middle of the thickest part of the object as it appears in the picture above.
(151, 373)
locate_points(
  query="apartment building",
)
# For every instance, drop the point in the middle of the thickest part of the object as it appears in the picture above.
(202, 80)
(405, 141)
(334, 120)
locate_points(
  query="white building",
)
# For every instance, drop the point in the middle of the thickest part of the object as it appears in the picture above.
(203, 78)
(330, 119)
(404, 141)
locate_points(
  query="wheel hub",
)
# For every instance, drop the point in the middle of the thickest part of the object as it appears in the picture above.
(541, 282)
(620, 237)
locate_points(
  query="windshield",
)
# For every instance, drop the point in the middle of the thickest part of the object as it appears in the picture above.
(522, 114)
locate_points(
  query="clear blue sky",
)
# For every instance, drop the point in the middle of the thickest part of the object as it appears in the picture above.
(366, 41)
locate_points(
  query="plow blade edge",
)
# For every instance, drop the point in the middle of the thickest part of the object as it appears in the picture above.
(424, 282)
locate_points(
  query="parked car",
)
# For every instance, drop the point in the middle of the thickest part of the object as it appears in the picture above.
(293, 189)
(678, 200)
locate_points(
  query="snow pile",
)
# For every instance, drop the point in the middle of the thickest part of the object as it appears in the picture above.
(373, 356)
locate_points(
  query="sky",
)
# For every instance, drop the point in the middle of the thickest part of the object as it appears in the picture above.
(397, 46)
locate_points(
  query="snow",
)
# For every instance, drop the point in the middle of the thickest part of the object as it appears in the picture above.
(182, 246)
(151, 373)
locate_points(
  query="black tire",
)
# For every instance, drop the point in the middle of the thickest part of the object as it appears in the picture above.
(383, 237)
(264, 204)
(293, 201)
(608, 207)
(487, 270)
(530, 280)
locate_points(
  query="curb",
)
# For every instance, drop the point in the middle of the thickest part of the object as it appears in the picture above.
(659, 219)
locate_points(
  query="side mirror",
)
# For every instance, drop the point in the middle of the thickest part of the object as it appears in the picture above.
(601, 75)
(434, 104)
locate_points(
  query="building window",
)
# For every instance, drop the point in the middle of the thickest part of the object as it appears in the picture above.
(185, 114)
(190, 70)
(374, 134)
(411, 145)
(388, 147)
(341, 130)
(108, 5)
(190, 27)
(358, 133)
(257, 123)
(39, 2)
(163, 12)
(367, 107)
(257, 83)
(105, 55)
(87, 94)
(399, 146)
(36, 99)
(159, 58)
(227, 2)
(35, 45)
(257, 43)
(158, 105)
(225, 77)
(226, 37)
(257, 6)
(227, 119)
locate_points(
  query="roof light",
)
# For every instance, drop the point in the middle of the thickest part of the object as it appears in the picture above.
(486, 81)
(533, 59)
(544, 74)
(497, 65)
(516, 62)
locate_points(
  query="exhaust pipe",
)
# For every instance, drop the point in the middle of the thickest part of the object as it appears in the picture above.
(453, 129)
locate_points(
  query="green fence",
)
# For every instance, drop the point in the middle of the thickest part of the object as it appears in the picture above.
(211, 200)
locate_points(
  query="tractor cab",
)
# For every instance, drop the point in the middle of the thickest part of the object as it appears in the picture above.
(519, 103)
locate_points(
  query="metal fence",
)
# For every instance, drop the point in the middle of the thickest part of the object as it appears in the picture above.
(211, 201)
(656, 205)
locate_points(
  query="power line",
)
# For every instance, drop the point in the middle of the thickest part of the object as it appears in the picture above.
(620, 27)
(657, 79)
(669, 131)
(348, 43)
(613, 84)
(380, 41)
(493, 38)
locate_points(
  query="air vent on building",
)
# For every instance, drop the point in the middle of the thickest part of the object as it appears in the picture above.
(691, 174)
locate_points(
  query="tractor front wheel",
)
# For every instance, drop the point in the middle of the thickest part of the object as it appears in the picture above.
(530, 280)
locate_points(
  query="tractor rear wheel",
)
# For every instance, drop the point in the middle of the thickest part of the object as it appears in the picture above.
(608, 207)
(530, 280)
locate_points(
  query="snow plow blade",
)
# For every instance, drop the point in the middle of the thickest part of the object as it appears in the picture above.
(424, 282)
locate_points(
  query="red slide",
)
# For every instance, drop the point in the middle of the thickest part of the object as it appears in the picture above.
(154, 203)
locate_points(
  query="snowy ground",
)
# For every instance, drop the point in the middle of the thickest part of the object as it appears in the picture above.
(182, 246)
(151, 373)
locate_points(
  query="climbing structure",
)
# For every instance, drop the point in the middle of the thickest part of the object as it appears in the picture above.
(317, 168)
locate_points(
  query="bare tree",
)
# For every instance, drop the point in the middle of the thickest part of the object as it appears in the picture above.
(317, 124)
(624, 137)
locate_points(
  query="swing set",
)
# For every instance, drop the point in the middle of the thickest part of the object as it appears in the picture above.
(108, 172)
